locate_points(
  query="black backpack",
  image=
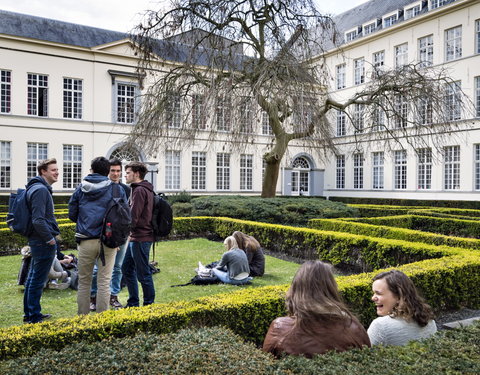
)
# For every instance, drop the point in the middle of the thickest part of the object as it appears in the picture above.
(19, 217)
(162, 217)
(116, 223)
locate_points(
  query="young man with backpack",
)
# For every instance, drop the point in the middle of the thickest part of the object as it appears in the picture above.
(114, 176)
(88, 207)
(41, 239)
(136, 263)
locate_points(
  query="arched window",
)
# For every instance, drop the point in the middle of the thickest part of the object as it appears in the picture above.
(301, 176)
(125, 154)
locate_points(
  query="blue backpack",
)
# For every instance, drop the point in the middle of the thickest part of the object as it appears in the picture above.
(19, 217)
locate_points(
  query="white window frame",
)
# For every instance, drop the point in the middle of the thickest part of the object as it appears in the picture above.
(358, 171)
(453, 101)
(173, 111)
(477, 36)
(378, 161)
(72, 98)
(389, 19)
(412, 10)
(359, 71)
(424, 169)
(378, 120)
(369, 27)
(351, 35)
(477, 96)
(425, 51)
(401, 111)
(453, 43)
(401, 55)
(434, 4)
(246, 172)
(400, 169)
(172, 169)
(378, 61)
(245, 115)
(126, 102)
(425, 111)
(340, 71)
(199, 117)
(340, 172)
(72, 166)
(358, 118)
(451, 180)
(476, 156)
(223, 171)
(266, 128)
(35, 152)
(199, 170)
(223, 110)
(37, 94)
(341, 121)
(5, 164)
(5, 91)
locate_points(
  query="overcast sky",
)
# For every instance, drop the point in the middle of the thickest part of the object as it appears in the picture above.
(119, 15)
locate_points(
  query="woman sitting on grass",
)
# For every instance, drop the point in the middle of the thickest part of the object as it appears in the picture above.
(403, 314)
(233, 267)
(256, 259)
(318, 321)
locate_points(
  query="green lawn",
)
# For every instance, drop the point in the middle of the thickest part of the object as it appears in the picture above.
(177, 261)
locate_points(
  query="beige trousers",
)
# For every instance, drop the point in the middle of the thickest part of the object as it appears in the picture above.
(88, 253)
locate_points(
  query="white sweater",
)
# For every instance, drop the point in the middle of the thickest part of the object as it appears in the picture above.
(386, 330)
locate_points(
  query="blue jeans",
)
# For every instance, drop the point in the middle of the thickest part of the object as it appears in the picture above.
(225, 278)
(115, 287)
(42, 259)
(136, 269)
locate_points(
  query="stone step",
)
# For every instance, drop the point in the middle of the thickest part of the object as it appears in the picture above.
(460, 323)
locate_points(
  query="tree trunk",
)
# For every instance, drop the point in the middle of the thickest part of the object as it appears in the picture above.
(269, 186)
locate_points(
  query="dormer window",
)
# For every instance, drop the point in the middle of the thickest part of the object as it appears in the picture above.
(351, 35)
(390, 19)
(438, 3)
(369, 28)
(412, 10)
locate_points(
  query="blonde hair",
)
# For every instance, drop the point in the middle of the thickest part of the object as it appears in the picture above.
(231, 242)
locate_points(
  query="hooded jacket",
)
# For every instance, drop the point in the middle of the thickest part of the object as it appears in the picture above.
(88, 205)
(45, 226)
(141, 204)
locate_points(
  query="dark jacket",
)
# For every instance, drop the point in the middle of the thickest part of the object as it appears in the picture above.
(256, 261)
(45, 226)
(141, 203)
(283, 337)
(88, 205)
(126, 189)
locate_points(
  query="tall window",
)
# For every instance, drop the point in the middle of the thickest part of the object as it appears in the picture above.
(5, 91)
(5, 164)
(266, 128)
(341, 75)
(199, 170)
(401, 55)
(72, 166)
(174, 111)
(35, 153)
(358, 118)
(453, 43)
(341, 123)
(424, 168)
(340, 172)
(245, 115)
(223, 171)
(37, 95)
(477, 167)
(477, 36)
(199, 119)
(72, 98)
(246, 172)
(425, 50)
(172, 170)
(425, 111)
(126, 106)
(454, 101)
(359, 71)
(400, 169)
(378, 61)
(378, 118)
(452, 167)
(358, 171)
(477, 96)
(401, 111)
(222, 114)
(378, 161)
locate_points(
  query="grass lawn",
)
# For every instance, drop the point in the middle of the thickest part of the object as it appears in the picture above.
(177, 261)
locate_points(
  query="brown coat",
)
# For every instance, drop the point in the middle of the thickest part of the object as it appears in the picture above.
(141, 204)
(283, 337)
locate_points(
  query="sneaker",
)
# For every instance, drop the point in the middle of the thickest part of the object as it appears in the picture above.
(58, 284)
(115, 303)
(44, 317)
(93, 303)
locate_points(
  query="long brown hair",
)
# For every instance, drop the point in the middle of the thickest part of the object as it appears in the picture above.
(313, 296)
(246, 242)
(411, 306)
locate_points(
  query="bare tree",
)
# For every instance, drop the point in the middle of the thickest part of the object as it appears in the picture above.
(227, 62)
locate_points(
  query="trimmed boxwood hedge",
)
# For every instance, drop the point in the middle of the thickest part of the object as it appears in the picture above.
(219, 350)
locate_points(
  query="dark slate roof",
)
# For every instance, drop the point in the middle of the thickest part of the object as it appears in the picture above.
(24, 25)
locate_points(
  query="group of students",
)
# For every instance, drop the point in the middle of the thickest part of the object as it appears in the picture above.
(318, 321)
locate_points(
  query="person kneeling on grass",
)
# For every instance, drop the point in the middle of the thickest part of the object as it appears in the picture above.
(403, 314)
(233, 267)
(318, 321)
